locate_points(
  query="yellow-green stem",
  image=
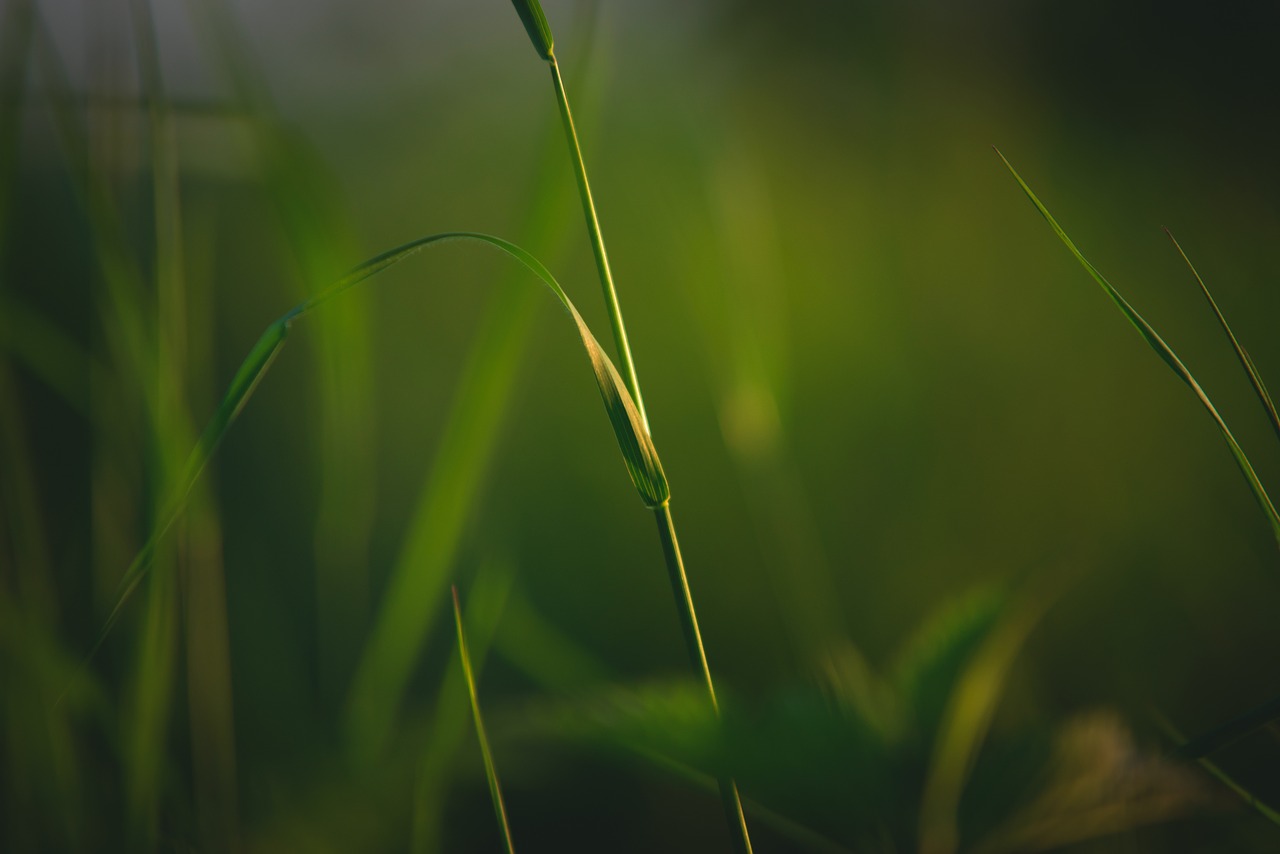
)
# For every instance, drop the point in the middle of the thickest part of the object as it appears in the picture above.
(597, 246)
(729, 797)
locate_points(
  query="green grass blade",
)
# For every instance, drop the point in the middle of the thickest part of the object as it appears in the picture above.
(535, 24)
(486, 604)
(490, 772)
(246, 380)
(639, 454)
(1246, 361)
(1165, 352)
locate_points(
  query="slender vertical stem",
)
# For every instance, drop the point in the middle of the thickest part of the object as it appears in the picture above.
(729, 797)
(597, 245)
(666, 526)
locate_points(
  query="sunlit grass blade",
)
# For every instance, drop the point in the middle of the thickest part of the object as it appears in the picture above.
(1246, 361)
(1165, 352)
(490, 772)
(633, 439)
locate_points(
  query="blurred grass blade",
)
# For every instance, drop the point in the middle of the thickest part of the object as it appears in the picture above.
(633, 439)
(535, 24)
(967, 718)
(47, 351)
(1245, 360)
(1164, 352)
(490, 772)
(244, 383)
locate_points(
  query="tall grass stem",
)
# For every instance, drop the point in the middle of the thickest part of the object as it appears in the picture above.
(621, 344)
(729, 796)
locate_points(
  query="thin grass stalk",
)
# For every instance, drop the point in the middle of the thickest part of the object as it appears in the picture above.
(616, 324)
(1246, 361)
(729, 797)
(535, 23)
(490, 770)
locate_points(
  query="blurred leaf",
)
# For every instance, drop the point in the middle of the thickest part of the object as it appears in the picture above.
(966, 720)
(933, 661)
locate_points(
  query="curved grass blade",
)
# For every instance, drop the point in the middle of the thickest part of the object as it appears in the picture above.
(639, 454)
(1246, 360)
(1156, 343)
(490, 771)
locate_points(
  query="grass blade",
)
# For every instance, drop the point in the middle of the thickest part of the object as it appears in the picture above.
(535, 24)
(1165, 352)
(1245, 360)
(490, 772)
(639, 453)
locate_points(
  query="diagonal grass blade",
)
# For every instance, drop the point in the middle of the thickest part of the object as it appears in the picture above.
(1165, 352)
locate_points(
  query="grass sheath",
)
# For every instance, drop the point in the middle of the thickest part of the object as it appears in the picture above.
(490, 772)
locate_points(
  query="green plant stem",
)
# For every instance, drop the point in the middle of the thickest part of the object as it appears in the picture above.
(729, 797)
(597, 246)
(666, 526)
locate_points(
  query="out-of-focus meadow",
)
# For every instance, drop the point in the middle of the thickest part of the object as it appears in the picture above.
(882, 389)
